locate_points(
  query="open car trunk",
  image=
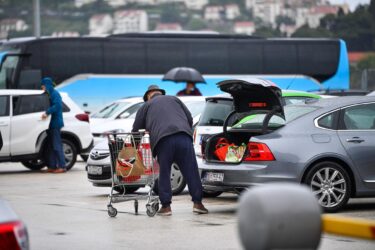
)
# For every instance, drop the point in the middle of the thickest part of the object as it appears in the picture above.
(255, 101)
(236, 138)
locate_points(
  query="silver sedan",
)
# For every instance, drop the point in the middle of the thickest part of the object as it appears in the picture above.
(327, 144)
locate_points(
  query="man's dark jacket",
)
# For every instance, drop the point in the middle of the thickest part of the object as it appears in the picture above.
(163, 115)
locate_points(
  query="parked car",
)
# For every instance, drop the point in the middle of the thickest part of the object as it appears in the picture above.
(98, 165)
(115, 117)
(24, 133)
(217, 108)
(327, 144)
(13, 232)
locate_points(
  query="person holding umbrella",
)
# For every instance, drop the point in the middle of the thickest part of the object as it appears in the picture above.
(190, 76)
(190, 90)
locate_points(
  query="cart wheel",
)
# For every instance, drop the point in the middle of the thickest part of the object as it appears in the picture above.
(150, 210)
(112, 212)
(136, 206)
(155, 206)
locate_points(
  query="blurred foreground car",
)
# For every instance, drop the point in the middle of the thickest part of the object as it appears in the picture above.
(24, 133)
(327, 144)
(13, 233)
(98, 165)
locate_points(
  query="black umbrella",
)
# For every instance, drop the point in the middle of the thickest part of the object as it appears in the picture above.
(184, 74)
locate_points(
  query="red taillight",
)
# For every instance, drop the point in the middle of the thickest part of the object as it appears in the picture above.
(13, 235)
(259, 152)
(83, 117)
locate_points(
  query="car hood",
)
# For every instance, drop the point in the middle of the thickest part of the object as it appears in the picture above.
(123, 125)
(102, 146)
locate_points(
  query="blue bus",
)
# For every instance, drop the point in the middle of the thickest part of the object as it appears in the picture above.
(294, 63)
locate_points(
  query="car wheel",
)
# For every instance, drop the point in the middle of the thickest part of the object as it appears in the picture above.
(70, 153)
(178, 182)
(129, 190)
(331, 184)
(211, 194)
(34, 164)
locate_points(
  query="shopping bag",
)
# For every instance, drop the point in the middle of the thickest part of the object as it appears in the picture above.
(129, 164)
(235, 153)
(221, 148)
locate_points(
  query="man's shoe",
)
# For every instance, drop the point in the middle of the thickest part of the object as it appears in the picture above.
(198, 208)
(48, 170)
(165, 211)
(59, 171)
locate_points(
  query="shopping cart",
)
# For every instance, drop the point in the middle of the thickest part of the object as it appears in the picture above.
(132, 164)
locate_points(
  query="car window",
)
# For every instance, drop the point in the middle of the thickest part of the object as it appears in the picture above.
(4, 106)
(30, 104)
(110, 110)
(65, 108)
(296, 99)
(360, 117)
(130, 112)
(329, 121)
(215, 112)
(255, 120)
(195, 107)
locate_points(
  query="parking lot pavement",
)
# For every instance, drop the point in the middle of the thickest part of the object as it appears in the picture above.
(64, 211)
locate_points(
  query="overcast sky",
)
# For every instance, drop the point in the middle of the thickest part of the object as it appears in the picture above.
(352, 3)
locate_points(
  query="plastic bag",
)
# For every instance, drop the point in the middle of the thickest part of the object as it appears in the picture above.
(235, 153)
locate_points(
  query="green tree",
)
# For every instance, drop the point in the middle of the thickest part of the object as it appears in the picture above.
(306, 31)
(267, 32)
(367, 63)
(196, 24)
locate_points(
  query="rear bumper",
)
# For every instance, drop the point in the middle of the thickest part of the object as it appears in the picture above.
(241, 176)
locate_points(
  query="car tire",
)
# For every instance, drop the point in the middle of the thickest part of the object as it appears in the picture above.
(331, 184)
(211, 194)
(178, 182)
(128, 190)
(70, 152)
(34, 165)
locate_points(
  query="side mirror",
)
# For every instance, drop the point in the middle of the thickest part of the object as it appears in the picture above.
(30, 79)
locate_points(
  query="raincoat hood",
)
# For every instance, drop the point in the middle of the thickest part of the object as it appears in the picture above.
(48, 83)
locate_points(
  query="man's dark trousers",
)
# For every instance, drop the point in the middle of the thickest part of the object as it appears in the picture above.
(56, 156)
(178, 148)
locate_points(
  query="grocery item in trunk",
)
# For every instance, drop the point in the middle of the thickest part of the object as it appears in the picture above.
(235, 153)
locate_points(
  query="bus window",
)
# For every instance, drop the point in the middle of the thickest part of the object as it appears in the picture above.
(280, 58)
(7, 71)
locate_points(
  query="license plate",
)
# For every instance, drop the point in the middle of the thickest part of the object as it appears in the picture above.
(214, 177)
(95, 170)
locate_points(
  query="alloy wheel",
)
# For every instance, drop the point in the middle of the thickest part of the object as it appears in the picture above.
(68, 152)
(329, 185)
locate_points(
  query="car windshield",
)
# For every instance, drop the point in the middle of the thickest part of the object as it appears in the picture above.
(215, 111)
(110, 110)
(195, 107)
(255, 120)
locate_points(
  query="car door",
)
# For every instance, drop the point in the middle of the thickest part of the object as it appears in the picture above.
(27, 124)
(4, 125)
(357, 134)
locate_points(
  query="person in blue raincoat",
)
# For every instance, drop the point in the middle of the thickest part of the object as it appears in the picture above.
(56, 158)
